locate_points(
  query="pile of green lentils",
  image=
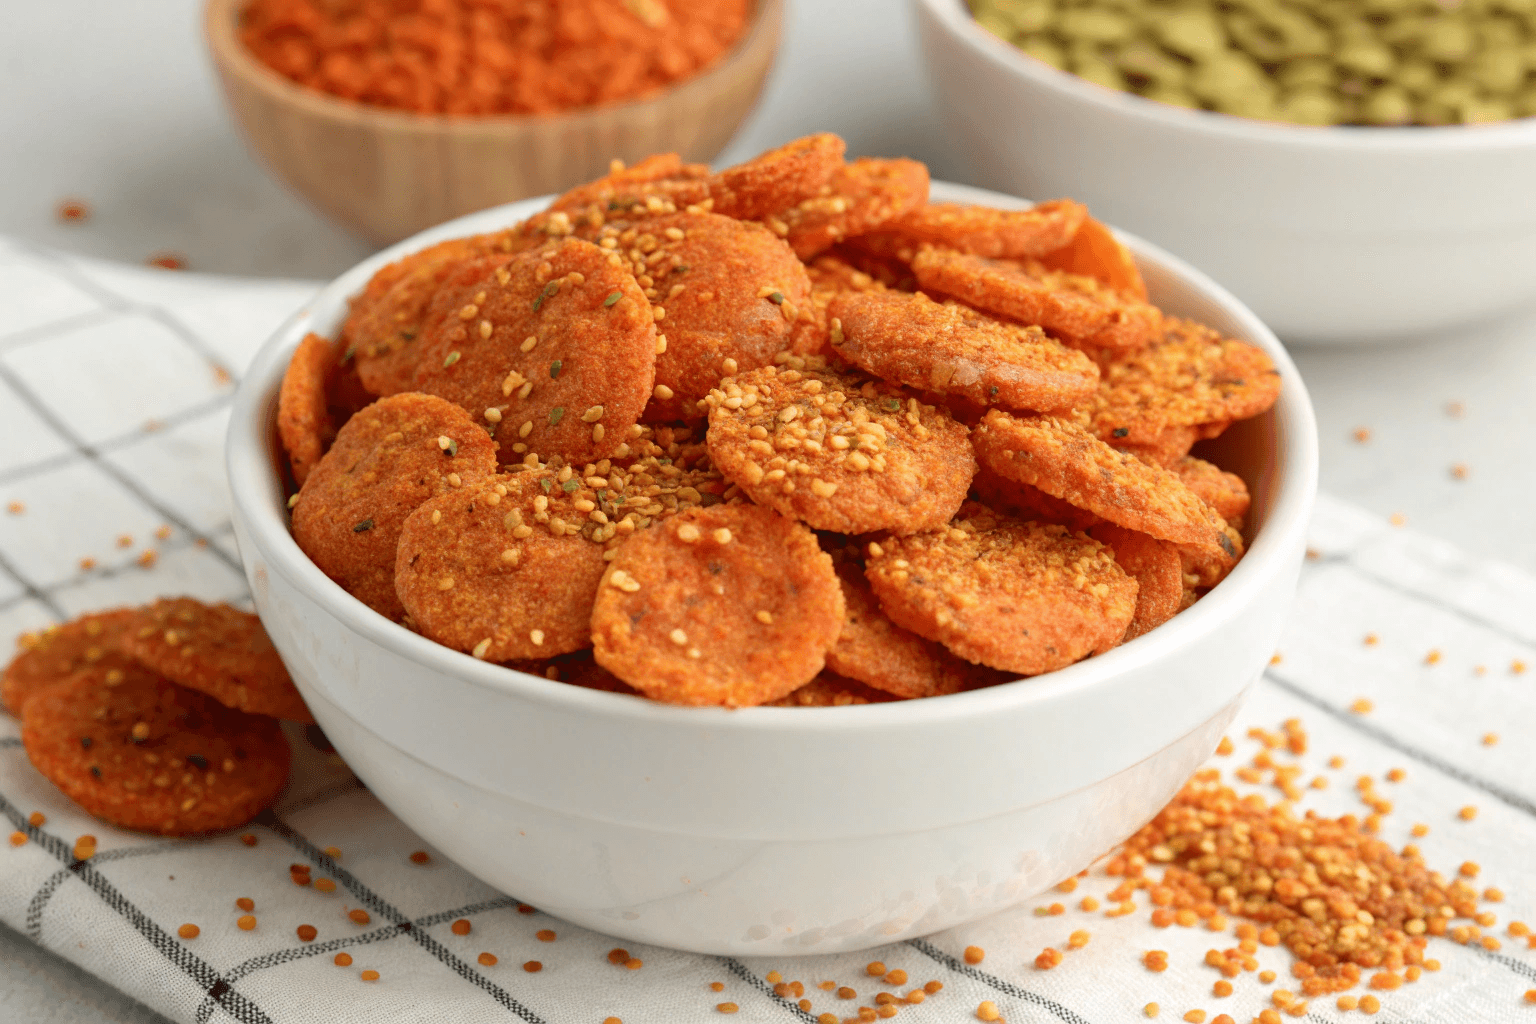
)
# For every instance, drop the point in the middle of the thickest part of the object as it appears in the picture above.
(1311, 62)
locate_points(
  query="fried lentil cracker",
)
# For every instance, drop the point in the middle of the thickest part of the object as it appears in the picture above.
(1095, 252)
(1076, 309)
(830, 690)
(663, 176)
(1223, 491)
(1064, 460)
(1155, 566)
(952, 349)
(1024, 501)
(1205, 567)
(874, 650)
(1166, 448)
(831, 276)
(861, 196)
(559, 341)
(508, 568)
(732, 605)
(386, 461)
(47, 657)
(777, 179)
(1191, 377)
(384, 322)
(979, 230)
(303, 420)
(890, 272)
(733, 298)
(843, 453)
(1021, 596)
(151, 756)
(217, 650)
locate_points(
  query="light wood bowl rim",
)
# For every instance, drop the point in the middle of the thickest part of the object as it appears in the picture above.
(220, 22)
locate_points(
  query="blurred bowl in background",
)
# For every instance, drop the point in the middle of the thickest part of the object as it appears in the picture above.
(387, 174)
(1330, 235)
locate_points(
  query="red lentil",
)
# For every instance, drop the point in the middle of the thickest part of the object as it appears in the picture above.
(727, 1007)
(974, 954)
(896, 977)
(246, 923)
(875, 969)
(343, 960)
(18, 838)
(1078, 939)
(369, 975)
(245, 903)
(307, 932)
(188, 931)
(1369, 1004)
(1467, 813)
(1151, 1010)
(987, 1010)
(359, 916)
(248, 839)
(1049, 957)
(1195, 1017)
(544, 935)
(421, 857)
(487, 959)
(1222, 988)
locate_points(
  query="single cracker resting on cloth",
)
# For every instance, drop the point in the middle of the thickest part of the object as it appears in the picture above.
(1065, 461)
(387, 460)
(842, 453)
(1076, 309)
(1021, 596)
(145, 754)
(731, 605)
(950, 349)
(218, 650)
(49, 656)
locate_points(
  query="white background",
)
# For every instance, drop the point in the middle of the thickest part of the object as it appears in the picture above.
(115, 103)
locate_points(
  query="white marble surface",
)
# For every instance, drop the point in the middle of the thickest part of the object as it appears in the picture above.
(115, 104)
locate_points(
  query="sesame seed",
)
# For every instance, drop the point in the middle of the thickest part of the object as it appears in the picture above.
(678, 637)
(482, 646)
(688, 533)
(663, 392)
(765, 617)
(446, 583)
(721, 536)
(537, 636)
(529, 343)
(593, 414)
(493, 415)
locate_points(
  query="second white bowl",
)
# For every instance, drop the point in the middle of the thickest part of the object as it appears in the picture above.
(1331, 235)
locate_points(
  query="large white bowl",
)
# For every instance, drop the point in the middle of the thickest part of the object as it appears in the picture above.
(775, 830)
(1331, 235)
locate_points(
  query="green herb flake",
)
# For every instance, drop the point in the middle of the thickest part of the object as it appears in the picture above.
(546, 483)
(777, 298)
(570, 485)
(346, 357)
(555, 414)
(408, 335)
(890, 404)
(450, 359)
(365, 525)
(555, 368)
(681, 268)
(993, 392)
(452, 449)
(1122, 431)
(548, 292)
(610, 300)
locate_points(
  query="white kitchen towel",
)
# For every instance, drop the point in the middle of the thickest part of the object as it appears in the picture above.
(114, 389)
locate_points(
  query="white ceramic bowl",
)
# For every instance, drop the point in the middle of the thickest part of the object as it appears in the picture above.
(1331, 235)
(775, 830)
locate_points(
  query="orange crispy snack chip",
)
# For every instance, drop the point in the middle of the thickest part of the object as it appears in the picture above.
(732, 605)
(381, 329)
(1077, 309)
(1190, 377)
(663, 176)
(1223, 491)
(732, 297)
(842, 453)
(1095, 252)
(830, 690)
(1021, 596)
(980, 230)
(1023, 501)
(60, 651)
(303, 418)
(148, 755)
(1157, 570)
(217, 650)
(1064, 460)
(508, 568)
(387, 460)
(874, 650)
(777, 179)
(554, 349)
(951, 349)
(1164, 449)
(860, 197)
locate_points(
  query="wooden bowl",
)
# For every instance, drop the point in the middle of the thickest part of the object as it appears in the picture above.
(387, 174)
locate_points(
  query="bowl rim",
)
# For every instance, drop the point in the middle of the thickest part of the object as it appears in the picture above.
(257, 499)
(221, 18)
(1351, 138)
